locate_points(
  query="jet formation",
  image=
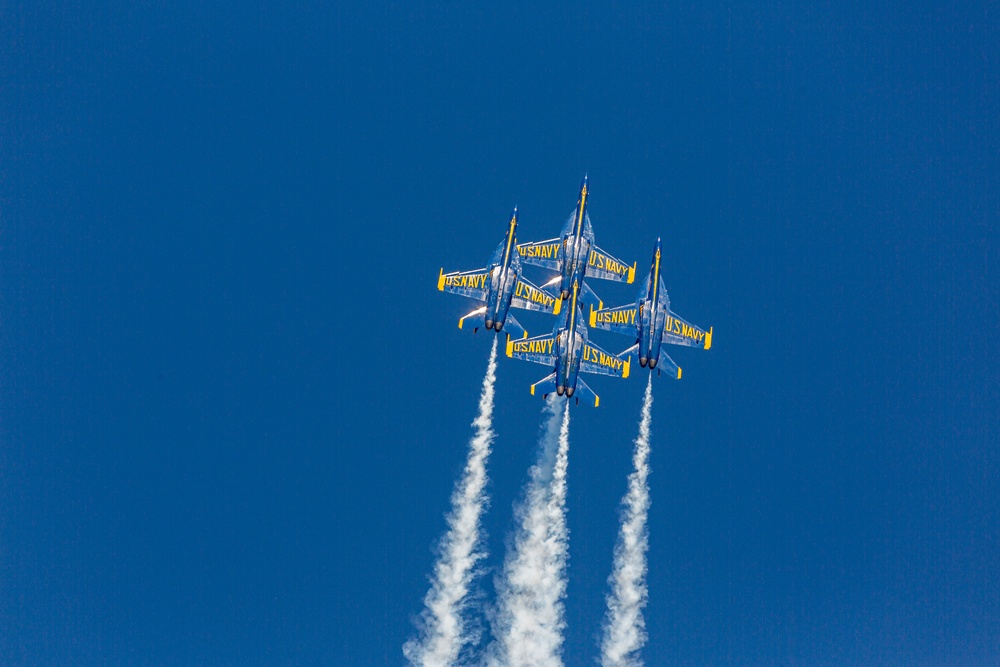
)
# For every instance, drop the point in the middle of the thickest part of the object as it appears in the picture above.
(568, 351)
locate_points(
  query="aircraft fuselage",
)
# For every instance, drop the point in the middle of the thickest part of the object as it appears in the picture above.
(570, 341)
(577, 241)
(653, 307)
(505, 266)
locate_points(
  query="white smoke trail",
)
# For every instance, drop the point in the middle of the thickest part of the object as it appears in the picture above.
(624, 627)
(443, 631)
(529, 622)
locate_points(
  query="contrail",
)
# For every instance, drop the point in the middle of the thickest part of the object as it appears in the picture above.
(624, 627)
(529, 622)
(443, 631)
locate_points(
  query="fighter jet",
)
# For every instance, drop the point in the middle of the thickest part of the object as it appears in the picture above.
(651, 323)
(575, 255)
(499, 286)
(569, 351)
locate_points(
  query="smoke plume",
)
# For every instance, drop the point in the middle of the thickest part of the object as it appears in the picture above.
(443, 631)
(624, 627)
(529, 621)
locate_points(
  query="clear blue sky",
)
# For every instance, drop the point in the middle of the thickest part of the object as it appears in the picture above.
(233, 405)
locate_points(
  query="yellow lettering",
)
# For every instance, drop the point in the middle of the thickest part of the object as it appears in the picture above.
(547, 251)
(476, 281)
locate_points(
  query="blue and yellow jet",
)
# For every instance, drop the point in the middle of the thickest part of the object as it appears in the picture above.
(499, 286)
(575, 255)
(568, 349)
(651, 322)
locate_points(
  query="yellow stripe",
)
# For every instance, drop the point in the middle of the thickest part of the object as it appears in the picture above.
(656, 277)
(572, 315)
(441, 280)
(510, 241)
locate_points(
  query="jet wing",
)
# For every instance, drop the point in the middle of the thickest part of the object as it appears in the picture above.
(530, 297)
(620, 320)
(665, 363)
(668, 365)
(540, 349)
(602, 265)
(595, 360)
(547, 254)
(473, 284)
(680, 332)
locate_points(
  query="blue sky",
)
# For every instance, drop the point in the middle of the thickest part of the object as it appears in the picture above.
(234, 404)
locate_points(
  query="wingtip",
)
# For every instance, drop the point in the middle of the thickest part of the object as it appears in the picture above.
(441, 280)
(708, 339)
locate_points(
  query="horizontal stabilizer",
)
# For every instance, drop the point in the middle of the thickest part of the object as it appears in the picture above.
(545, 386)
(475, 316)
(583, 391)
(513, 328)
(666, 366)
(587, 295)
